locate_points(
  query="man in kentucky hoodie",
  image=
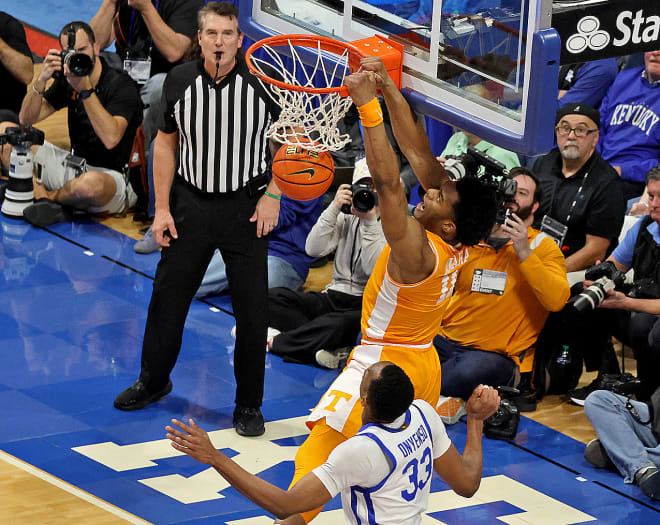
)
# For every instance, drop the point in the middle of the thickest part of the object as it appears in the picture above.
(630, 124)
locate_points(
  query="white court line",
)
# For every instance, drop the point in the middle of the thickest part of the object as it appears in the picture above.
(79, 493)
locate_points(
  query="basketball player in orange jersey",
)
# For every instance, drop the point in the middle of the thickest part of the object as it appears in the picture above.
(408, 290)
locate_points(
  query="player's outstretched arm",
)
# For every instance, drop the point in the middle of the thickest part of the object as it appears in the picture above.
(409, 133)
(406, 237)
(309, 493)
(463, 473)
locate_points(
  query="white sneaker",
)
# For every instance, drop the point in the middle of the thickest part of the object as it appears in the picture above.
(450, 409)
(270, 335)
(332, 359)
(148, 243)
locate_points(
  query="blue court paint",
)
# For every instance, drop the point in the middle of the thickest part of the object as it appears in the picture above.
(110, 244)
(487, 513)
(106, 242)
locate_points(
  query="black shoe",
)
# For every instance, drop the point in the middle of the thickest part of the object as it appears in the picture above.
(137, 396)
(622, 384)
(649, 482)
(596, 454)
(525, 401)
(578, 395)
(45, 212)
(248, 421)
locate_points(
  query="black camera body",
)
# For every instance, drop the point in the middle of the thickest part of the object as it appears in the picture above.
(645, 288)
(606, 277)
(489, 171)
(79, 64)
(364, 198)
(22, 137)
(503, 424)
(624, 384)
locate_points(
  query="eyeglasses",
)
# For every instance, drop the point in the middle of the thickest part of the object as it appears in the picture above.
(563, 130)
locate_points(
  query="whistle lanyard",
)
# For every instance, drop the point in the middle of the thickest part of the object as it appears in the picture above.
(575, 199)
(130, 31)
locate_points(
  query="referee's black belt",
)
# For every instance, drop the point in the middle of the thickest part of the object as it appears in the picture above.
(255, 186)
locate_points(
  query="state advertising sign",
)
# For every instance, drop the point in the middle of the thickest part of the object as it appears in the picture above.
(593, 31)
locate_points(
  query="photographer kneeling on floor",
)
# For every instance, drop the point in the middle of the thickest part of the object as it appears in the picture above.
(104, 112)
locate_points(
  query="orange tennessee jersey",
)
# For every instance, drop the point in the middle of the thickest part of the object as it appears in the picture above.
(410, 314)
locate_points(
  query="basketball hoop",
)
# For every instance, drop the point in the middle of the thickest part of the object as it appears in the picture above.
(305, 74)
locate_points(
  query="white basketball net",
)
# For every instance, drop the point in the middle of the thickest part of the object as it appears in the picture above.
(304, 115)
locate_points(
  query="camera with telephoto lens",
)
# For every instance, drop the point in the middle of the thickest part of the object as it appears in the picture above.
(503, 424)
(606, 277)
(79, 64)
(489, 171)
(363, 199)
(19, 193)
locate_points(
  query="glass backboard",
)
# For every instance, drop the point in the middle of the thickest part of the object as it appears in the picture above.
(486, 66)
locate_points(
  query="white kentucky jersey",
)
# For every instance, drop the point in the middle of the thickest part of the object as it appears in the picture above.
(384, 472)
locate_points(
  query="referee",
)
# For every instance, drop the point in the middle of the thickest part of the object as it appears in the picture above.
(213, 136)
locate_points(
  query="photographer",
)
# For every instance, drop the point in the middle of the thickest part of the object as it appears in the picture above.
(628, 439)
(512, 280)
(104, 111)
(322, 327)
(151, 38)
(633, 318)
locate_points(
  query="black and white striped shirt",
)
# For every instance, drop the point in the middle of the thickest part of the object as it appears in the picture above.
(222, 129)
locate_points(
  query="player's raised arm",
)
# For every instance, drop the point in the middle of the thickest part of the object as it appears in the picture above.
(463, 472)
(406, 237)
(409, 133)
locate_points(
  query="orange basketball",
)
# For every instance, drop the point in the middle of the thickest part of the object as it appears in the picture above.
(302, 174)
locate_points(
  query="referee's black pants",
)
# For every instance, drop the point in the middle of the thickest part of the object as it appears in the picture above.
(205, 222)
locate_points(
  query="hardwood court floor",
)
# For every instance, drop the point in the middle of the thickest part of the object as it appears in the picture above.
(31, 496)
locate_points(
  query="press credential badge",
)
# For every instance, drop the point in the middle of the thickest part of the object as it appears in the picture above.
(488, 281)
(138, 70)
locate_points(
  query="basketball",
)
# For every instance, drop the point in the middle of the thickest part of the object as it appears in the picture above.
(302, 174)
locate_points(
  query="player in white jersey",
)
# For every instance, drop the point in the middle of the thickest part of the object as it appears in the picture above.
(383, 472)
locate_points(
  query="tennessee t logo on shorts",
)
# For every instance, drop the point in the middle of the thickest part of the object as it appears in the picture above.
(337, 396)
